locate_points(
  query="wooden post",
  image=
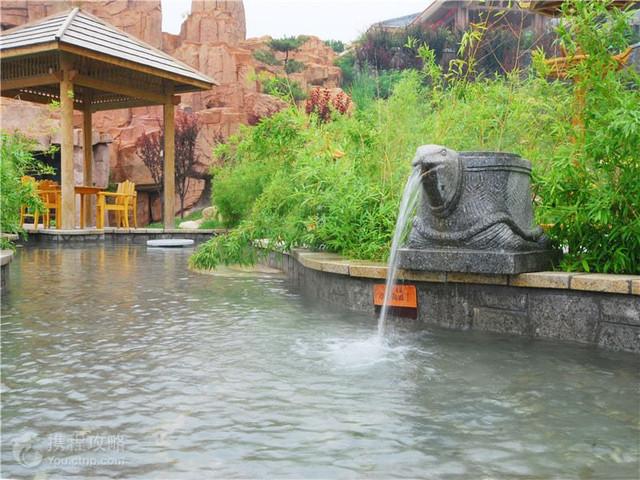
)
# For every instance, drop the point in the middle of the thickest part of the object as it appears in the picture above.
(87, 148)
(68, 219)
(169, 162)
(538, 24)
(461, 20)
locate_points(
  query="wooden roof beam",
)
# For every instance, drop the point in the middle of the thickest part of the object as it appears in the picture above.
(119, 88)
(28, 82)
(28, 50)
(36, 97)
(133, 103)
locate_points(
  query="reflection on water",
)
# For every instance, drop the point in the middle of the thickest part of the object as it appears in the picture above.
(119, 362)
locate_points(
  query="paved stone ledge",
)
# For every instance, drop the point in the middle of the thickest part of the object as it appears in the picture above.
(602, 282)
(559, 280)
(6, 256)
(144, 231)
(118, 235)
(592, 282)
(61, 231)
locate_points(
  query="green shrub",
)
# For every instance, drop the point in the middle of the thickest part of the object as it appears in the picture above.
(363, 89)
(16, 160)
(212, 223)
(294, 66)
(386, 82)
(253, 157)
(364, 83)
(369, 85)
(285, 183)
(335, 45)
(284, 88)
(531, 117)
(298, 192)
(384, 50)
(591, 190)
(266, 56)
(346, 63)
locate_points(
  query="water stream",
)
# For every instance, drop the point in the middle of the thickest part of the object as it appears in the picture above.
(407, 205)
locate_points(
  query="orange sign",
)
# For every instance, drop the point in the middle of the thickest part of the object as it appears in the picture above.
(402, 296)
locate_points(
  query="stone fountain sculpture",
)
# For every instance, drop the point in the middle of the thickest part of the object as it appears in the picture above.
(475, 215)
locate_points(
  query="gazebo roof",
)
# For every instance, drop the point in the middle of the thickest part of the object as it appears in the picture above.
(114, 69)
(398, 22)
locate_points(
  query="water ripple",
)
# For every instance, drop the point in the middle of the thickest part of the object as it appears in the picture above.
(237, 376)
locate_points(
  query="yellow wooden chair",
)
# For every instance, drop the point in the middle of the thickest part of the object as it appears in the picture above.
(24, 209)
(125, 200)
(49, 192)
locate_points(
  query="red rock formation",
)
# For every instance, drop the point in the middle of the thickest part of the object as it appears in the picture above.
(215, 21)
(212, 40)
(317, 57)
(140, 18)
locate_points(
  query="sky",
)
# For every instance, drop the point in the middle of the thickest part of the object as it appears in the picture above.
(328, 19)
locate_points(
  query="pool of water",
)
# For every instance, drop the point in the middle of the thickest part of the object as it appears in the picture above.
(119, 362)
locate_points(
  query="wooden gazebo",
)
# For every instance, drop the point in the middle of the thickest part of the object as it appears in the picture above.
(86, 64)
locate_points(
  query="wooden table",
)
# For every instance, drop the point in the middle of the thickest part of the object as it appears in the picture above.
(83, 191)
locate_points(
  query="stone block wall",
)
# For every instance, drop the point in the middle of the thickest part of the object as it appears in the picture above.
(604, 312)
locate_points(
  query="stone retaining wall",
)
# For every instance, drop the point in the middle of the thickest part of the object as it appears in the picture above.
(6, 256)
(595, 309)
(117, 235)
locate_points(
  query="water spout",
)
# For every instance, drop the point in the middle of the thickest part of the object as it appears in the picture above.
(407, 204)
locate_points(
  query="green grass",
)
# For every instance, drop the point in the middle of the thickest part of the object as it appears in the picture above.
(208, 224)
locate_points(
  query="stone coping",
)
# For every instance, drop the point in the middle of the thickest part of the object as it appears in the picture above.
(124, 231)
(5, 257)
(593, 282)
(146, 231)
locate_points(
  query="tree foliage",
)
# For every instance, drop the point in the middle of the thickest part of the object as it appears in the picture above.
(16, 161)
(283, 88)
(150, 148)
(266, 56)
(187, 130)
(287, 45)
(335, 45)
(294, 66)
(591, 192)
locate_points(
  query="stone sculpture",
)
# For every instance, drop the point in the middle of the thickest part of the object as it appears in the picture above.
(475, 215)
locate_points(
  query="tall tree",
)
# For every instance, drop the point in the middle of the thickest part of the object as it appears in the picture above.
(187, 130)
(150, 148)
(286, 45)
